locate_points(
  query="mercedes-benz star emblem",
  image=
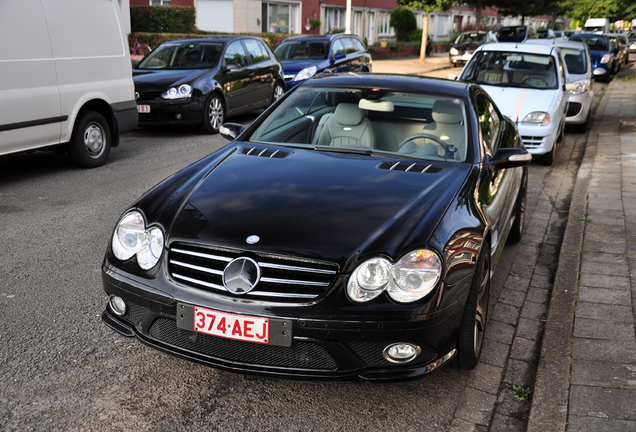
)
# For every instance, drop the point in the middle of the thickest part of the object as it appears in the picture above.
(241, 275)
(252, 239)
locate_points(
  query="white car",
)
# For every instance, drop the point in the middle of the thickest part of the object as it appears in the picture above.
(528, 84)
(579, 67)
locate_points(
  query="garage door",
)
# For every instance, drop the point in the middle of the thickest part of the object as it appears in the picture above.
(215, 15)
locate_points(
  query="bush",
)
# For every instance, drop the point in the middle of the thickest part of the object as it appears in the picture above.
(154, 39)
(404, 22)
(157, 19)
(416, 36)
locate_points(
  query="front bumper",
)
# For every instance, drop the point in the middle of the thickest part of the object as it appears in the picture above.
(579, 107)
(460, 59)
(539, 139)
(323, 346)
(178, 112)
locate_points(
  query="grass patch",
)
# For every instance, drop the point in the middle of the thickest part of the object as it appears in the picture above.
(600, 98)
(628, 77)
(521, 393)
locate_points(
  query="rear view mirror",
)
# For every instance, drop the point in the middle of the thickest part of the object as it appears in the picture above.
(510, 158)
(231, 131)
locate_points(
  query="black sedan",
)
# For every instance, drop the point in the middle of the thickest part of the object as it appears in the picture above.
(466, 44)
(350, 232)
(202, 82)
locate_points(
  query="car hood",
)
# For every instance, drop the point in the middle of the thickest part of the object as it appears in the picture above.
(513, 101)
(314, 204)
(150, 80)
(295, 66)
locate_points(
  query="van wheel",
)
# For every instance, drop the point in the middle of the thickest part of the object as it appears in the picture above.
(90, 143)
(213, 115)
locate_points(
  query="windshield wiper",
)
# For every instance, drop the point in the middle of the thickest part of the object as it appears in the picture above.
(345, 150)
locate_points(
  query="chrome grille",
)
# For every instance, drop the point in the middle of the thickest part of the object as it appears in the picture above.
(282, 278)
(532, 141)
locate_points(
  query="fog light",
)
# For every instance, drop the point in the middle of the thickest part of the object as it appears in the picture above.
(179, 116)
(117, 304)
(401, 352)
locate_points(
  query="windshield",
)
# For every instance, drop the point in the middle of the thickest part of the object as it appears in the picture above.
(465, 38)
(512, 69)
(302, 50)
(575, 61)
(594, 43)
(512, 34)
(191, 55)
(369, 121)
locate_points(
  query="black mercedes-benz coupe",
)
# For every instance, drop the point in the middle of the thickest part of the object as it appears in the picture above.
(350, 232)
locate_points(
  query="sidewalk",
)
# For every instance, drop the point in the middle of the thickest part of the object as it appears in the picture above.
(412, 66)
(586, 380)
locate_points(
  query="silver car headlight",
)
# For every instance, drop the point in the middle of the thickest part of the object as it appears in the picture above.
(411, 278)
(453, 51)
(605, 58)
(181, 92)
(306, 73)
(537, 117)
(581, 87)
(132, 238)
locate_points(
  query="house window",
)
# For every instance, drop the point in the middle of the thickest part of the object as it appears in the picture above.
(335, 20)
(281, 18)
(384, 19)
(160, 2)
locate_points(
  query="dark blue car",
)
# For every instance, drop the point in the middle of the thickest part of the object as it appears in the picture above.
(604, 62)
(305, 56)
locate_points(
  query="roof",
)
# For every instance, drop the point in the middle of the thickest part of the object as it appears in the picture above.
(524, 47)
(561, 43)
(318, 37)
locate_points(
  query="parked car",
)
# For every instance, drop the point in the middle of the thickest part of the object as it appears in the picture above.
(546, 34)
(518, 33)
(334, 238)
(632, 43)
(525, 82)
(619, 53)
(466, 43)
(622, 37)
(62, 90)
(305, 56)
(604, 62)
(203, 81)
(579, 72)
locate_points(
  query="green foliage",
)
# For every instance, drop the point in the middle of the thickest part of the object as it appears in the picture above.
(154, 39)
(415, 36)
(315, 23)
(427, 5)
(403, 21)
(521, 393)
(157, 19)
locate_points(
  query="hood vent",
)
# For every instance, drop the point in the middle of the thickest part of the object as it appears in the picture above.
(409, 166)
(264, 152)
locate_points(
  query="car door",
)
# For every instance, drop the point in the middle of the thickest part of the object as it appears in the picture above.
(235, 78)
(353, 57)
(338, 57)
(260, 71)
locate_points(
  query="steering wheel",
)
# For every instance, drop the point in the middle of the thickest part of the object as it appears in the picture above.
(424, 135)
(541, 80)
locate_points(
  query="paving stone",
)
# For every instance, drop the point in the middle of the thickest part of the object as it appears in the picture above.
(543, 269)
(508, 405)
(486, 377)
(517, 283)
(608, 330)
(499, 331)
(525, 349)
(604, 350)
(604, 374)
(506, 313)
(590, 424)
(530, 329)
(460, 425)
(503, 423)
(604, 295)
(605, 268)
(602, 311)
(535, 311)
(538, 295)
(494, 353)
(519, 373)
(476, 406)
(610, 258)
(603, 403)
(512, 297)
(607, 247)
(605, 281)
(606, 229)
(541, 281)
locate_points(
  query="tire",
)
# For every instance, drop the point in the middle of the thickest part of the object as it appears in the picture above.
(516, 232)
(473, 326)
(213, 115)
(583, 127)
(548, 158)
(278, 92)
(91, 139)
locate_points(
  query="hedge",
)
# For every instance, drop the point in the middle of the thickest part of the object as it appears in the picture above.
(154, 39)
(174, 19)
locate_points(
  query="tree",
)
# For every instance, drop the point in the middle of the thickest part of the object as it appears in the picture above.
(403, 21)
(526, 8)
(479, 5)
(427, 6)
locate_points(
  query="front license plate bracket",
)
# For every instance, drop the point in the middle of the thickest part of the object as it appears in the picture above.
(280, 331)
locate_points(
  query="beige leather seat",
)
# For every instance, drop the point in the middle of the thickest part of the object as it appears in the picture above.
(448, 126)
(347, 126)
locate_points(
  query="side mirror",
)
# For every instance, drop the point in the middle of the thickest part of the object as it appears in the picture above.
(451, 77)
(570, 87)
(231, 131)
(232, 66)
(510, 158)
(339, 56)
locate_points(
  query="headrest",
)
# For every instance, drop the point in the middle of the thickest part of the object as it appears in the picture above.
(447, 112)
(348, 114)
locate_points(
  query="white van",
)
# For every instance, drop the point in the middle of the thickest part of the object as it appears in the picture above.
(596, 25)
(65, 78)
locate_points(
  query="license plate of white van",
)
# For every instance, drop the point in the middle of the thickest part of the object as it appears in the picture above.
(143, 108)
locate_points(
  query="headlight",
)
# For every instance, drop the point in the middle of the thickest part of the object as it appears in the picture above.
(183, 91)
(132, 238)
(453, 51)
(537, 117)
(605, 58)
(633, 46)
(305, 73)
(581, 87)
(408, 280)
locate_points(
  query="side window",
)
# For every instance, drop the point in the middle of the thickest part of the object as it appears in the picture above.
(235, 54)
(348, 45)
(337, 47)
(489, 123)
(359, 45)
(264, 50)
(255, 51)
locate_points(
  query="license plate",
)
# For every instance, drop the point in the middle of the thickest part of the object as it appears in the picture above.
(143, 108)
(246, 328)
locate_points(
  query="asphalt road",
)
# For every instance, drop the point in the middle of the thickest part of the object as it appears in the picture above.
(62, 369)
